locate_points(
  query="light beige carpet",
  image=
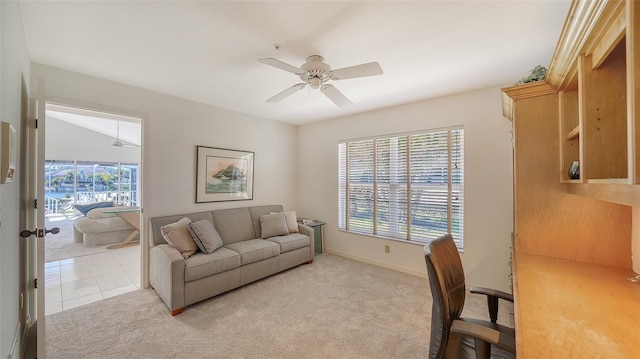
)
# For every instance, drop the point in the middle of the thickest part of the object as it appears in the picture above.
(333, 308)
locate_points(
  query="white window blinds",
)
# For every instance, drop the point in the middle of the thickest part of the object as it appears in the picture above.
(406, 187)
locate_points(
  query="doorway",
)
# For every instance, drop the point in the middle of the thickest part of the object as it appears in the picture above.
(92, 176)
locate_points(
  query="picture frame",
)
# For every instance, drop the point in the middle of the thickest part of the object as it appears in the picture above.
(8, 152)
(223, 174)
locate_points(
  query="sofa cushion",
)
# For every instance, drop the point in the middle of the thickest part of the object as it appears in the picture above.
(257, 211)
(274, 224)
(85, 208)
(233, 224)
(202, 265)
(291, 242)
(205, 235)
(158, 222)
(254, 250)
(292, 221)
(178, 236)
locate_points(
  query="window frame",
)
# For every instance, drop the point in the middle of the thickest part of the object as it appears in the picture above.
(452, 182)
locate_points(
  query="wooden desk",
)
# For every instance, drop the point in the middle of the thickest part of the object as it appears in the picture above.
(131, 216)
(569, 309)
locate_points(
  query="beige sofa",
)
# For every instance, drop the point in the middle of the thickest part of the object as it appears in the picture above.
(244, 257)
(100, 228)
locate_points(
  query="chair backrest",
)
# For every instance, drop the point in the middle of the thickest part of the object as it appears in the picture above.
(446, 279)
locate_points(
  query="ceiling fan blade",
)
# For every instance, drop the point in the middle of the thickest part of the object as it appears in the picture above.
(286, 93)
(364, 70)
(335, 95)
(282, 65)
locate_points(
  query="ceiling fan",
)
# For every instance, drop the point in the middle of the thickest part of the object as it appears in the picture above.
(316, 73)
(117, 143)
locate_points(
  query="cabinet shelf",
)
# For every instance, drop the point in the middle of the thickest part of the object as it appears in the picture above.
(608, 180)
(573, 133)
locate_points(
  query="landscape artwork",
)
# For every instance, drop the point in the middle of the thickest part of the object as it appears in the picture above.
(226, 175)
(223, 175)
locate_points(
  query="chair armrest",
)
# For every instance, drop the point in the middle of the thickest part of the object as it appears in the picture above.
(492, 299)
(492, 292)
(484, 334)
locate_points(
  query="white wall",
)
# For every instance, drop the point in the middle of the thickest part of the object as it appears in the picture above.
(14, 66)
(488, 203)
(172, 128)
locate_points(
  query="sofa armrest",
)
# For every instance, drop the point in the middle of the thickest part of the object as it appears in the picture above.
(309, 232)
(166, 275)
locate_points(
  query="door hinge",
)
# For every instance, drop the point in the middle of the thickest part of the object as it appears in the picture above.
(35, 283)
(35, 203)
(36, 123)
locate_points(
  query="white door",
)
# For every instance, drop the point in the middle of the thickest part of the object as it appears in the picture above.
(33, 211)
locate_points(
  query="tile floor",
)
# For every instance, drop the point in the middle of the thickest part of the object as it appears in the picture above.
(82, 280)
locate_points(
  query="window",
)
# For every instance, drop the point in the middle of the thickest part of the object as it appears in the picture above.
(75, 182)
(406, 187)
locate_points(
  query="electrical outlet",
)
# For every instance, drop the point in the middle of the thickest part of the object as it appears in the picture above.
(387, 248)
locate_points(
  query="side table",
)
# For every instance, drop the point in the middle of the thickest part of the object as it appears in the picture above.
(318, 234)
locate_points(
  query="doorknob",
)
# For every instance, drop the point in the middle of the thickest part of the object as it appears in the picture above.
(39, 232)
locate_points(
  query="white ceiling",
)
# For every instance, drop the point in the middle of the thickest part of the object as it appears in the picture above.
(207, 51)
(120, 128)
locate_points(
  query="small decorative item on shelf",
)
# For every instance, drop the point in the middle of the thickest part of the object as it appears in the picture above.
(574, 170)
(537, 74)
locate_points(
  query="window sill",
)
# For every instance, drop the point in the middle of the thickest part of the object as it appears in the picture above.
(412, 242)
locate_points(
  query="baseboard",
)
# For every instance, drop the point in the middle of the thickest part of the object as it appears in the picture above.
(377, 263)
(15, 344)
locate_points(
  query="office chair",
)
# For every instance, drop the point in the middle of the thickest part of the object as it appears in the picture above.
(451, 335)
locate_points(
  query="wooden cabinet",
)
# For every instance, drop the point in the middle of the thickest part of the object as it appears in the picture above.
(549, 220)
(596, 74)
(603, 109)
(587, 110)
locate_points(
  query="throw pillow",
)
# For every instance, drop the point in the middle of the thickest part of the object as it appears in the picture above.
(85, 208)
(205, 235)
(274, 224)
(178, 236)
(292, 221)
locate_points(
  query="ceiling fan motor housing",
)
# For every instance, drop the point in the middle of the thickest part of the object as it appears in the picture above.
(317, 71)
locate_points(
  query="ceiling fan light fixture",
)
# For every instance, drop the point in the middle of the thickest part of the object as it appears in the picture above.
(315, 82)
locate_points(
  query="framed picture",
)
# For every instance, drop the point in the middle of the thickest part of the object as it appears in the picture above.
(223, 175)
(8, 152)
